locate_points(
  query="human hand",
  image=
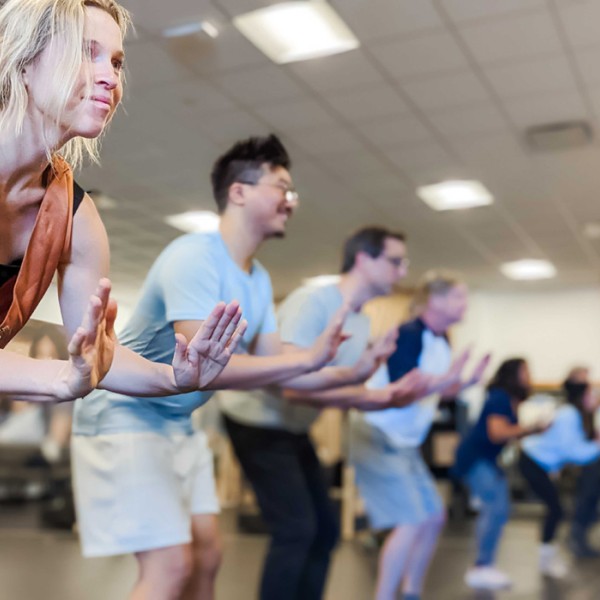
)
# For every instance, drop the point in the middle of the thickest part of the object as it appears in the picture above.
(377, 353)
(91, 348)
(326, 346)
(197, 364)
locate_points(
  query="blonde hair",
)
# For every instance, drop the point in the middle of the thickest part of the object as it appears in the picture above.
(433, 283)
(27, 28)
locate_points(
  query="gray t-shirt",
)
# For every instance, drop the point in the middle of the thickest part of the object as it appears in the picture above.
(302, 317)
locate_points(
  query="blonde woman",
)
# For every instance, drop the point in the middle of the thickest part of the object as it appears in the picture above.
(61, 65)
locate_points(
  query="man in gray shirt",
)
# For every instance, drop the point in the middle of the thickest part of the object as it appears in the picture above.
(269, 427)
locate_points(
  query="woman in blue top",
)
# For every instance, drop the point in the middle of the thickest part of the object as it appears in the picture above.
(568, 441)
(476, 466)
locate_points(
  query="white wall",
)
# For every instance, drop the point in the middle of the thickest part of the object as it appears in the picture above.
(553, 330)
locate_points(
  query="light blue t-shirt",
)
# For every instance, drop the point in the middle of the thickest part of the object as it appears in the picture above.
(302, 317)
(190, 276)
(564, 442)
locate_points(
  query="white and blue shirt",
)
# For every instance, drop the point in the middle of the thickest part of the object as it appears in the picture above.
(417, 347)
(190, 276)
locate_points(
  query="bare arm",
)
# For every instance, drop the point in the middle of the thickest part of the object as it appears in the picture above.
(501, 430)
(272, 363)
(57, 380)
(195, 365)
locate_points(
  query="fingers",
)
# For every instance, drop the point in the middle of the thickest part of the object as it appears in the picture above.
(237, 336)
(92, 319)
(212, 325)
(75, 346)
(232, 327)
(337, 321)
(180, 349)
(110, 317)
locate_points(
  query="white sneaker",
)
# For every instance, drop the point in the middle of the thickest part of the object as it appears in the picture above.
(552, 563)
(487, 578)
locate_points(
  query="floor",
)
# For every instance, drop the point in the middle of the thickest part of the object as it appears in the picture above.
(41, 564)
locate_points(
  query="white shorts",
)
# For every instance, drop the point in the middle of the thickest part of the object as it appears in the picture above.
(138, 491)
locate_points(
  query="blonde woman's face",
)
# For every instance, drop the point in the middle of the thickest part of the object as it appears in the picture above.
(89, 110)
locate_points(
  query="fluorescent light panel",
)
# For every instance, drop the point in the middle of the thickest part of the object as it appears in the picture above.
(194, 221)
(528, 270)
(455, 195)
(293, 31)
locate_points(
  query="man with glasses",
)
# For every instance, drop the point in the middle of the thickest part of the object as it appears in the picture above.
(143, 477)
(269, 427)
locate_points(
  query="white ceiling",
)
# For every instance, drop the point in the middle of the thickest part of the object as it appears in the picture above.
(438, 88)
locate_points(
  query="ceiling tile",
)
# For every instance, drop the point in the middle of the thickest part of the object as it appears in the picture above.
(391, 132)
(418, 157)
(376, 101)
(148, 64)
(476, 119)
(431, 54)
(446, 91)
(295, 115)
(546, 108)
(339, 72)
(580, 18)
(229, 51)
(186, 100)
(512, 38)
(372, 19)
(227, 128)
(326, 140)
(588, 62)
(253, 87)
(469, 10)
(531, 77)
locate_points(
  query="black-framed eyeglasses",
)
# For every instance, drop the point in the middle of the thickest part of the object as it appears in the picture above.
(397, 261)
(289, 193)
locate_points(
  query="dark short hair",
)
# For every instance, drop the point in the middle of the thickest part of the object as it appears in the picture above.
(243, 162)
(369, 240)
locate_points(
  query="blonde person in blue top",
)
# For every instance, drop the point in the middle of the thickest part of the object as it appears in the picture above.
(569, 440)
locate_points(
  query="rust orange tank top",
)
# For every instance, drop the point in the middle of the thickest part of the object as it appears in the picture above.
(49, 246)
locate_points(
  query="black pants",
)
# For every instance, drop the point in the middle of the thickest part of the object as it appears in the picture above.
(288, 481)
(588, 494)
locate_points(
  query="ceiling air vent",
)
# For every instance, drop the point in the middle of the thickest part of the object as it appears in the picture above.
(558, 136)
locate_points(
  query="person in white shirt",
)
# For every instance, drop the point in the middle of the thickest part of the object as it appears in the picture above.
(569, 440)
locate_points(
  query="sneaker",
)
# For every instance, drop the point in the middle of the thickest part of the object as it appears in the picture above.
(552, 563)
(487, 578)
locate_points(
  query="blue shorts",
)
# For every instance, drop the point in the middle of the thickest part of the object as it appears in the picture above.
(395, 482)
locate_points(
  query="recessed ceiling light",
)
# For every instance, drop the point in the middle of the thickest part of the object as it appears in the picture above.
(322, 280)
(292, 31)
(528, 269)
(192, 28)
(455, 195)
(194, 221)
